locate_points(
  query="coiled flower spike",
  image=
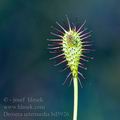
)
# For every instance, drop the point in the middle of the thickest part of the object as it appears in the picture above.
(73, 46)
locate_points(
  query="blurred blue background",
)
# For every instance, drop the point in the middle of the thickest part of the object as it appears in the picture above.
(26, 71)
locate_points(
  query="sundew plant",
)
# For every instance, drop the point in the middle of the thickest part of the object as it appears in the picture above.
(71, 44)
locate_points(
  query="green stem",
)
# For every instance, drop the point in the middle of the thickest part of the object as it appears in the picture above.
(75, 111)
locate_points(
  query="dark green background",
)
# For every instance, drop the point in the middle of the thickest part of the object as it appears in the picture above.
(26, 71)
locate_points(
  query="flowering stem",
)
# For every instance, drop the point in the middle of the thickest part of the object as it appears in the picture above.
(75, 111)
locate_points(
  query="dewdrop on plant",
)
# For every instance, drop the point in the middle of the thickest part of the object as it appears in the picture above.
(72, 46)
